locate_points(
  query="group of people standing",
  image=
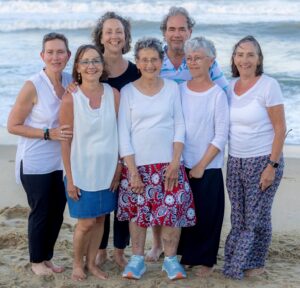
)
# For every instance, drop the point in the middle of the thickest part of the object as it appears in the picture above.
(147, 140)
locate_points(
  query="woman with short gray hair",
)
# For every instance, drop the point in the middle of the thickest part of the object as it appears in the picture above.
(34, 117)
(206, 116)
(154, 189)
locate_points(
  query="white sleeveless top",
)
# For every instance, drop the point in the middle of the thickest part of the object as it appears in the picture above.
(41, 156)
(94, 148)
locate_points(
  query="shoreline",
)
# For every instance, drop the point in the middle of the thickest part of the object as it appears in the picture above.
(7, 139)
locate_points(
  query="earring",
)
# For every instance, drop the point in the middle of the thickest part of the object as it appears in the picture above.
(78, 77)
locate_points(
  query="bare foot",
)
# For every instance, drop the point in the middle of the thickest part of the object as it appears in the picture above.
(120, 258)
(78, 274)
(98, 273)
(255, 272)
(55, 268)
(101, 257)
(204, 271)
(154, 254)
(41, 269)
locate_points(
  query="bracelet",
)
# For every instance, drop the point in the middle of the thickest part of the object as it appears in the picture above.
(46, 134)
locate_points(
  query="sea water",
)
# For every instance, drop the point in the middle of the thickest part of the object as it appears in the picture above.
(276, 25)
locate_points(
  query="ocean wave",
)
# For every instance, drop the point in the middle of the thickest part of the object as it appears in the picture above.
(22, 15)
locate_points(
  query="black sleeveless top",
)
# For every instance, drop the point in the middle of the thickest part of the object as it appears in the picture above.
(131, 74)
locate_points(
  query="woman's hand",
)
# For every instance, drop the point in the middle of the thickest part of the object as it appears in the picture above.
(171, 175)
(73, 191)
(267, 177)
(62, 133)
(136, 183)
(116, 180)
(72, 87)
(196, 172)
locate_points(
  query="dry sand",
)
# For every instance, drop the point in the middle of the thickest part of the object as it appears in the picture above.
(283, 265)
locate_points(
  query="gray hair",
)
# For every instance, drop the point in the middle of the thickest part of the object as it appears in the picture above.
(198, 43)
(174, 11)
(53, 36)
(150, 43)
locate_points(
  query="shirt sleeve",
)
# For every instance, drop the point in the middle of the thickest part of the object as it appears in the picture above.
(124, 124)
(178, 116)
(221, 119)
(273, 94)
(218, 77)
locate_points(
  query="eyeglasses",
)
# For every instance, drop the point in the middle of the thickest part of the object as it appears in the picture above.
(146, 61)
(197, 60)
(94, 62)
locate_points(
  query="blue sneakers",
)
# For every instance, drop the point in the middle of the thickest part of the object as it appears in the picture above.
(173, 269)
(135, 268)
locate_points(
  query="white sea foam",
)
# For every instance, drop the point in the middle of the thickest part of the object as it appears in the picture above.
(81, 14)
(274, 23)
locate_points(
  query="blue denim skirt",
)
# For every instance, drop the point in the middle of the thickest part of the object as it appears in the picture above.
(91, 204)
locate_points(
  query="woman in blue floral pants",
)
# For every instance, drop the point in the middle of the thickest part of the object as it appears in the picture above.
(250, 236)
(255, 164)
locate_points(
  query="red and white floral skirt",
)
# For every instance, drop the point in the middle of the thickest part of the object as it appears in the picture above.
(156, 206)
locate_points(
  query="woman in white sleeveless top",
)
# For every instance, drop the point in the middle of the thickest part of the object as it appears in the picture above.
(91, 157)
(34, 117)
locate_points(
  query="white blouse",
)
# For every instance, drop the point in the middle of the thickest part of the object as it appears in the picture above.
(206, 117)
(41, 156)
(251, 131)
(149, 125)
(94, 148)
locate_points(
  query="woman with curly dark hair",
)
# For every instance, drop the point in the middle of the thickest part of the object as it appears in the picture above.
(113, 36)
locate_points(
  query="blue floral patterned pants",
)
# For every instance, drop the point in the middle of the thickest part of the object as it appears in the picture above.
(247, 244)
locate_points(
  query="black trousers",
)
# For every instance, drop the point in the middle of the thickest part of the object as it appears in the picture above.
(47, 200)
(121, 233)
(199, 244)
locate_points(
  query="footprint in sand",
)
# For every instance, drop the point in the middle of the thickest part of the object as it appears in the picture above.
(14, 212)
(13, 240)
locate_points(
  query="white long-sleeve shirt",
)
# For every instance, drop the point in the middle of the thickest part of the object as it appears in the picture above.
(206, 116)
(149, 125)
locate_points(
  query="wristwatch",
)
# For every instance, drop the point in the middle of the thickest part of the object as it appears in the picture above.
(273, 164)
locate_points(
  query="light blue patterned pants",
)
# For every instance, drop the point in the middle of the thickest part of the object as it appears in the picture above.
(247, 244)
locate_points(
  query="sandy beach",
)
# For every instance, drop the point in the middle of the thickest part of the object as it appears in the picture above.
(283, 265)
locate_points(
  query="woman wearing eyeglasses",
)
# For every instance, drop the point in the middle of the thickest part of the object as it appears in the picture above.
(34, 117)
(90, 158)
(206, 116)
(154, 189)
(112, 35)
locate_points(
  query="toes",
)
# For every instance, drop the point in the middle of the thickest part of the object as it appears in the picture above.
(78, 277)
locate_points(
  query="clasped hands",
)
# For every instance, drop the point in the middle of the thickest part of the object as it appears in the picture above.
(170, 179)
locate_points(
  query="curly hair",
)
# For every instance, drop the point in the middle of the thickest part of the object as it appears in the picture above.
(97, 32)
(148, 43)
